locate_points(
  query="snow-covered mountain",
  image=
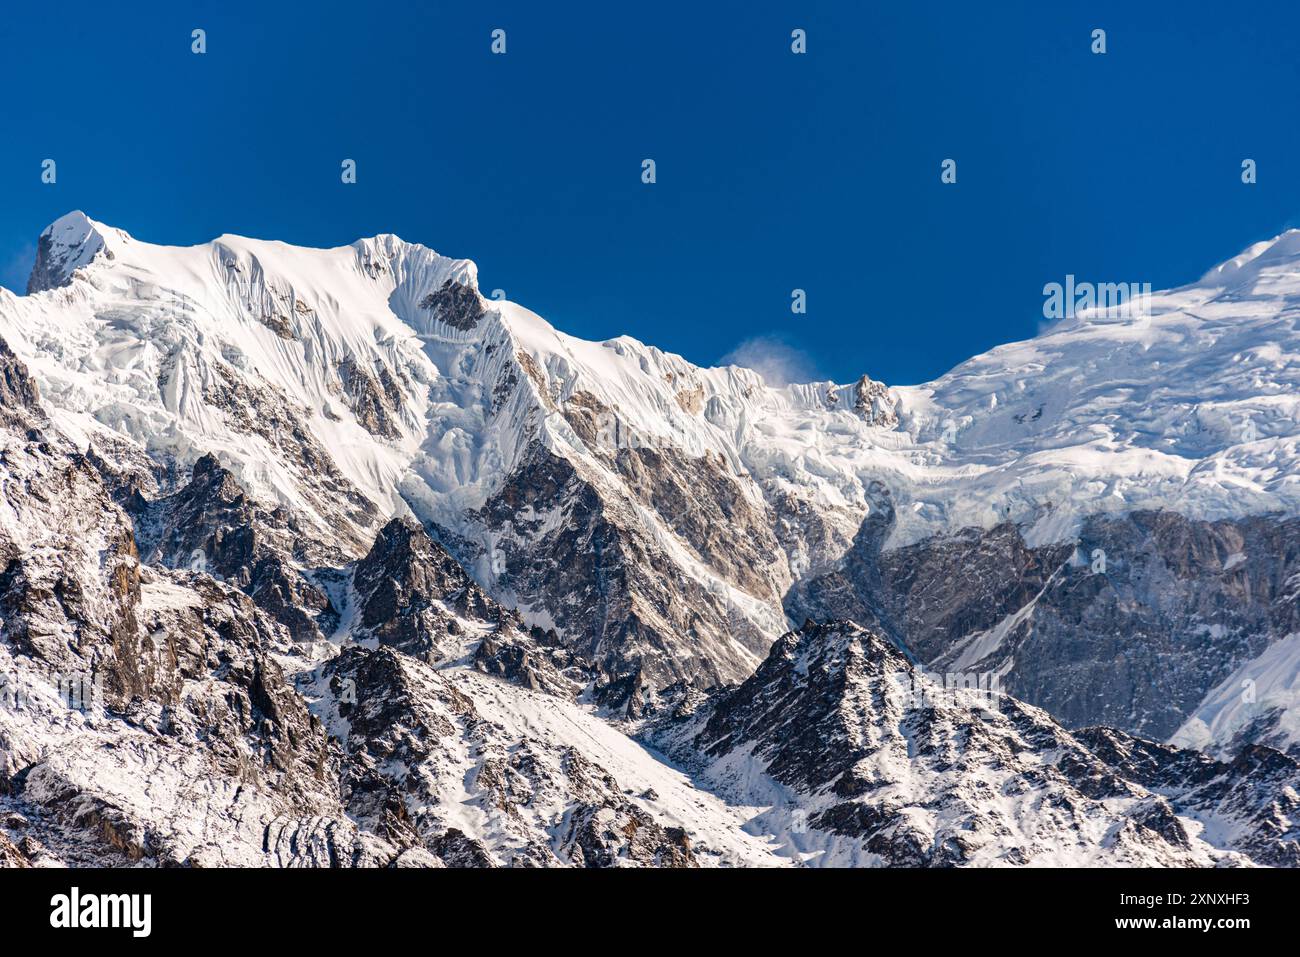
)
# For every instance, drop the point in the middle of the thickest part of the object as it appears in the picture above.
(866, 760)
(421, 563)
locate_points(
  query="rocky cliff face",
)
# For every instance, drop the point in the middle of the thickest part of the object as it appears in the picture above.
(569, 546)
(873, 761)
(139, 703)
(1251, 799)
(19, 395)
(1130, 625)
(872, 401)
(415, 737)
(457, 304)
(210, 526)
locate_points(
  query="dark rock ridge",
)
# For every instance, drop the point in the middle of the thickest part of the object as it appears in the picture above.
(412, 595)
(617, 598)
(1254, 795)
(538, 661)
(872, 401)
(64, 245)
(211, 526)
(923, 775)
(411, 734)
(374, 400)
(410, 590)
(18, 392)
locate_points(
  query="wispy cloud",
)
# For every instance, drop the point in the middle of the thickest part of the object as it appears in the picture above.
(777, 361)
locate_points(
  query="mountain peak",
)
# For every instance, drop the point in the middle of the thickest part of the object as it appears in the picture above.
(1282, 248)
(70, 242)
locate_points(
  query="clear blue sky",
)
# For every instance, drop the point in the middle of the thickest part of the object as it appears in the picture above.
(775, 171)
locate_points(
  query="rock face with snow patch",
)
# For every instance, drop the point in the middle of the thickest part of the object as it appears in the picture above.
(64, 246)
(138, 702)
(415, 739)
(210, 525)
(18, 393)
(872, 401)
(1130, 625)
(610, 588)
(1253, 798)
(882, 765)
(457, 304)
(408, 588)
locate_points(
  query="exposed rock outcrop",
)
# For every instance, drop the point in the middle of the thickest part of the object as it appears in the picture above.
(917, 773)
(1130, 625)
(457, 304)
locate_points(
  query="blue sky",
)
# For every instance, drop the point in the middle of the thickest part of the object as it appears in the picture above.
(775, 171)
